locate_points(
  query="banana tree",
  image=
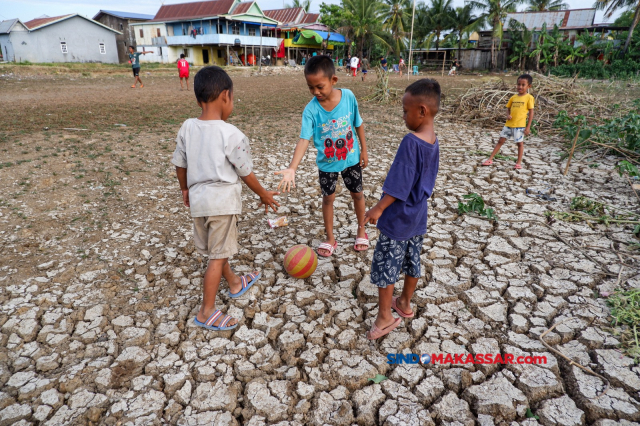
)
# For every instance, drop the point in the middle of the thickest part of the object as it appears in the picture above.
(521, 38)
(574, 53)
(539, 46)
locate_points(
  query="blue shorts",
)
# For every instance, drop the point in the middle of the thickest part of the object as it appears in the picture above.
(392, 257)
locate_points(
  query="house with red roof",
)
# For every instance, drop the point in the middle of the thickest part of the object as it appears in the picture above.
(65, 38)
(213, 32)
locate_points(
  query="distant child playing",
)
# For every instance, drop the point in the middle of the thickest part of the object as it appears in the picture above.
(401, 213)
(365, 67)
(333, 120)
(134, 60)
(519, 121)
(354, 65)
(183, 70)
(210, 156)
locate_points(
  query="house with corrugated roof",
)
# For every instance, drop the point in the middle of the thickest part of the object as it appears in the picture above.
(302, 33)
(122, 22)
(66, 38)
(216, 32)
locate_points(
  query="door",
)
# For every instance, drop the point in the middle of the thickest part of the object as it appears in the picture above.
(205, 56)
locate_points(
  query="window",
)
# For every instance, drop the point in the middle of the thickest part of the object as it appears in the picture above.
(186, 52)
(252, 32)
(219, 53)
(63, 47)
(141, 33)
(121, 27)
(160, 51)
(158, 32)
(103, 51)
(235, 30)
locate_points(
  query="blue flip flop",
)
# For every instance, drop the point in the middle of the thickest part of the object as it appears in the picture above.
(247, 281)
(208, 324)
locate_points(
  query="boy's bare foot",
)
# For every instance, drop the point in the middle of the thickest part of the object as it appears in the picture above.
(204, 317)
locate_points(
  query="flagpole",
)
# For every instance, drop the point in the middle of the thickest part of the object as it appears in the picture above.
(413, 15)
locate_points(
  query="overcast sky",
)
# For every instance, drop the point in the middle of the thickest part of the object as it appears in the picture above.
(29, 9)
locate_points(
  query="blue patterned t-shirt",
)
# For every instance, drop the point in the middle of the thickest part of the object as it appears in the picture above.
(333, 132)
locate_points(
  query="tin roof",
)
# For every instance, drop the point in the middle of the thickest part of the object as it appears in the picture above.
(193, 10)
(576, 18)
(38, 22)
(310, 18)
(124, 15)
(291, 15)
(6, 26)
(242, 8)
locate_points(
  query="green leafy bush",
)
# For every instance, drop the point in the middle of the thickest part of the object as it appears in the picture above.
(620, 69)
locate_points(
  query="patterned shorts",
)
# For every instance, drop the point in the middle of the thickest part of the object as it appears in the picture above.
(392, 257)
(352, 177)
(517, 133)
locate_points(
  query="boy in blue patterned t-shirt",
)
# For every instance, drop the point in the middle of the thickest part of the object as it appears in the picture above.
(401, 213)
(333, 120)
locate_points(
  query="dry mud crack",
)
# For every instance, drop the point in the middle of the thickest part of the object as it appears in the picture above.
(96, 324)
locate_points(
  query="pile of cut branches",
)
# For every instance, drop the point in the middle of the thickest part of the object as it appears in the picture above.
(381, 92)
(485, 105)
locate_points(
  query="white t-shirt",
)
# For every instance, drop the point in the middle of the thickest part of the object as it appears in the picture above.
(354, 62)
(214, 153)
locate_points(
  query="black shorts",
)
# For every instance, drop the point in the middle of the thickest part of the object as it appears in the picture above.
(352, 177)
(136, 71)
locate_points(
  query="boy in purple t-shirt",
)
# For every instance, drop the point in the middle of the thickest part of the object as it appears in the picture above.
(401, 213)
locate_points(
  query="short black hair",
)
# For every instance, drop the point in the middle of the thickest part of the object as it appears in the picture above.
(210, 82)
(526, 77)
(429, 90)
(320, 64)
(182, 55)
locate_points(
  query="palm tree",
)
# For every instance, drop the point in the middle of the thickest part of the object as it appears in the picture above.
(495, 12)
(422, 34)
(398, 16)
(439, 18)
(305, 4)
(364, 21)
(545, 5)
(610, 6)
(463, 21)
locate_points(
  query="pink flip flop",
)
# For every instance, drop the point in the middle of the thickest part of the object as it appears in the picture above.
(394, 306)
(330, 248)
(362, 242)
(376, 333)
(487, 162)
(517, 166)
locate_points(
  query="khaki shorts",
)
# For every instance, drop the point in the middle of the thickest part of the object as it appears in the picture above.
(216, 236)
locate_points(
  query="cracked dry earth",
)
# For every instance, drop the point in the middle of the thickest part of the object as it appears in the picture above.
(96, 314)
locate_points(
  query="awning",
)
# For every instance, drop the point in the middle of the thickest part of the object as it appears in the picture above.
(317, 37)
(256, 23)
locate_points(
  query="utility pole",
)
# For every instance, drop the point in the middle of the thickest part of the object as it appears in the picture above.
(260, 59)
(413, 15)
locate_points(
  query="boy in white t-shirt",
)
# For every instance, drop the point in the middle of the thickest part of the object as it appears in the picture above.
(210, 156)
(354, 65)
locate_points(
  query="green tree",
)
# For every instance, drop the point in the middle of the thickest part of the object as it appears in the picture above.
(438, 18)
(544, 5)
(521, 38)
(422, 33)
(494, 13)
(363, 21)
(305, 4)
(333, 17)
(463, 21)
(397, 20)
(610, 6)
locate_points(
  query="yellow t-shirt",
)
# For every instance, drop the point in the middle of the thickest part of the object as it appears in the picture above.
(520, 106)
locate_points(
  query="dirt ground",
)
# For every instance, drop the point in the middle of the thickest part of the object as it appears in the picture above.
(99, 279)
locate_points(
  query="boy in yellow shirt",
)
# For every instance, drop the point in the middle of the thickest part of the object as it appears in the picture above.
(518, 125)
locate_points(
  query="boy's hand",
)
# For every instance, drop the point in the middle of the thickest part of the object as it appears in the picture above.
(288, 179)
(185, 197)
(509, 117)
(372, 216)
(268, 201)
(527, 132)
(364, 159)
